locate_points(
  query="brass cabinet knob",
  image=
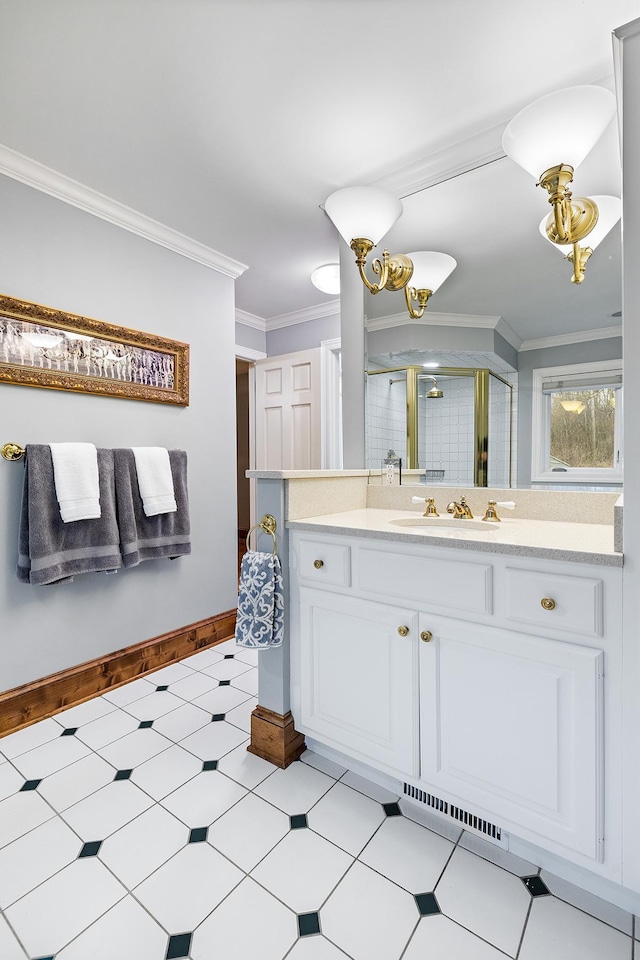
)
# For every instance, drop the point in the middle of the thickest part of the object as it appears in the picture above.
(318, 564)
(426, 635)
(403, 631)
(547, 603)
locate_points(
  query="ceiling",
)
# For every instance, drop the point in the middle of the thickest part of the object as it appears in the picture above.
(232, 120)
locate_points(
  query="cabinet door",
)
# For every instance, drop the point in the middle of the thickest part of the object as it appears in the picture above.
(358, 678)
(512, 724)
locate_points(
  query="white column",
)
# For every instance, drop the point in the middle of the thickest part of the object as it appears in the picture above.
(353, 348)
(627, 47)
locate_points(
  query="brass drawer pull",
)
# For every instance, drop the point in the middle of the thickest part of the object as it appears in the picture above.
(547, 603)
(318, 564)
(403, 631)
(426, 635)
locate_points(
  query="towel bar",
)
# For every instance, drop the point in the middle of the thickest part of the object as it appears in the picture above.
(268, 525)
(12, 451)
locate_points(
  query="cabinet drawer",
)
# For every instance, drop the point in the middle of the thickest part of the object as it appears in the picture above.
(555, 602)
(327, 564)
(452, 584)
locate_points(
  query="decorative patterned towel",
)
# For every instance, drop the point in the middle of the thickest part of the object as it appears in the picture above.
(260, 620)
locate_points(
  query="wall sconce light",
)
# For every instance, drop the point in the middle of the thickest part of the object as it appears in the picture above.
(609, 211)
(362, 216)
(563, 126)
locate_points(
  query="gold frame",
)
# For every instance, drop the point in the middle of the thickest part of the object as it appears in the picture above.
(481, 377)
(30, 375)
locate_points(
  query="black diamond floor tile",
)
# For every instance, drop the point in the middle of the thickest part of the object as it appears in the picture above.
(536, 886)
(298, 820)
(145, 724)
(392, 809)
(179, 945)
(90, 849)
(229, 656)
(427, 904)
(123, 774)
(69, 732)
(45, 958)
(210, 765)
(308, 924)
(165, 686)
(217, 716)
(30, 785)
(198, 834)
(225, 683)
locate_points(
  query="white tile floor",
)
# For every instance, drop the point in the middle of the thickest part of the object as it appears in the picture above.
(137, 827)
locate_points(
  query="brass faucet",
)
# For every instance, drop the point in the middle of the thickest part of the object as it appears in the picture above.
(431, 508)
(460, 509)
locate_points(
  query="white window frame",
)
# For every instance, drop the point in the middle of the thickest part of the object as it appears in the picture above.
(541, 428)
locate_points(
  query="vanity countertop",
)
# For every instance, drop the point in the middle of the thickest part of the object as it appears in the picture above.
(555, 540)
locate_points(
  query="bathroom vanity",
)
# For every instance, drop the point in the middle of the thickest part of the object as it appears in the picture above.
(480, 667)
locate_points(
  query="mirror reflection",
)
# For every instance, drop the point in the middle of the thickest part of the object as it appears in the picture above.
(510, 308)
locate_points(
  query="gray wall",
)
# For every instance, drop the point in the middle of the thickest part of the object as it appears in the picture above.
(302, 336)
(54, 254)
(250, 337)
(530, 360)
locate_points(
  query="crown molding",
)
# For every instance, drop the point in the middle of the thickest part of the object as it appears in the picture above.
(251, 320)
(40, 177)
(331, 308)
(580, 336)
(452, 161)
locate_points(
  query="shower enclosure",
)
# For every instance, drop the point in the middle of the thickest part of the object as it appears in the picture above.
(452, 425)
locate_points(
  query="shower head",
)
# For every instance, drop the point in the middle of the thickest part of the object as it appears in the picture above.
(434, 393)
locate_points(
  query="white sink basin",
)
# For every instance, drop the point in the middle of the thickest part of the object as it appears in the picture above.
(444, 524)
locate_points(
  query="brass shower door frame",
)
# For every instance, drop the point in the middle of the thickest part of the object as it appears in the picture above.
(480, 409)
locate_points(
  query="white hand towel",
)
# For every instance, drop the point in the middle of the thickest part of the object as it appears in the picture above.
(155, 480)
(75, 475)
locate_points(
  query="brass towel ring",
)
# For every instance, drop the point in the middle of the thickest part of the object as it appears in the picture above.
(268, 525)
(12, 451)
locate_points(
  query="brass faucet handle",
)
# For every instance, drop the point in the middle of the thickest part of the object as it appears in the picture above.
(431, 508)
(491, 514)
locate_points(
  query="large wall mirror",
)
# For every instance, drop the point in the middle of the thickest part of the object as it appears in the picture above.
(509, 308)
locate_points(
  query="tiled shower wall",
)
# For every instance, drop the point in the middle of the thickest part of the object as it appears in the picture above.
(446, 430)
(446, 427)
(386, 418)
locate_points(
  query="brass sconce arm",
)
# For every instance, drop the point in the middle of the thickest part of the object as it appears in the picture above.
(421, 296)
(394, 271)
(578, 257)
(571, 219)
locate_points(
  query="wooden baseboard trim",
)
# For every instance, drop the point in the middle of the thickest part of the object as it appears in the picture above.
(34, 701)
(274, 737)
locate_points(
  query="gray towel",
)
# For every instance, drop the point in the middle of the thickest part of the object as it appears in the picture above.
(50, 550)
(147, 538)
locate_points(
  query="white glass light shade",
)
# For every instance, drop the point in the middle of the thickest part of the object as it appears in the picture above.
(559, 128)
(609, 212)
(45, 341)
(327, 278)
(430, 269)
(363, 212)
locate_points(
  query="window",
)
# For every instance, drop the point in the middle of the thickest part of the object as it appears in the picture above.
(577, 423)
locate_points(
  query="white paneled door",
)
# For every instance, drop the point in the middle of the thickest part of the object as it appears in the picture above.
(288, 412)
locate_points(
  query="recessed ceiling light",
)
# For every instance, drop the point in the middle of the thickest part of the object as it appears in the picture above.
(431, 365)
(327, 278)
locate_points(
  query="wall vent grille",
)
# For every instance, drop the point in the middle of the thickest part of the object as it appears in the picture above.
(470, 820)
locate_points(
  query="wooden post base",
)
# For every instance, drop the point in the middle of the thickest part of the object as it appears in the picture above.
(274, 737)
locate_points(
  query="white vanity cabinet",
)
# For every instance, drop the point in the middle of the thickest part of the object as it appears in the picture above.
(500, 693)
(358, 675)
